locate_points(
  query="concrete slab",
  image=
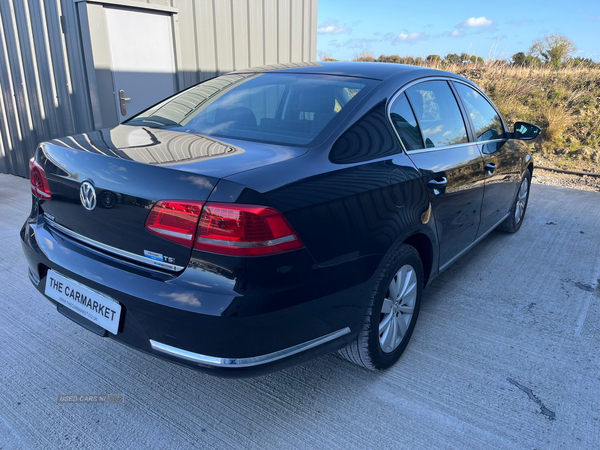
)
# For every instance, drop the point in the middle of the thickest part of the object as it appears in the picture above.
(505, 355)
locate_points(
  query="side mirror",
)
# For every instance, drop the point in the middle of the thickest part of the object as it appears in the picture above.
(526, 131)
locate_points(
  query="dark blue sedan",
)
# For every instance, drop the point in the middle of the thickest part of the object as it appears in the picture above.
(270, 215)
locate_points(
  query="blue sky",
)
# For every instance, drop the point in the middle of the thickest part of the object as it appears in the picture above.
(485, 28)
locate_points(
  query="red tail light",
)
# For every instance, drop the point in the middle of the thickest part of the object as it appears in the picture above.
(244, 230)
(39, 182)
(175, 220)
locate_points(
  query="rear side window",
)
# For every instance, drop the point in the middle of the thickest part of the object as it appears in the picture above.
(486, 120)
(405, 123)
(437, 113)
(289, 109)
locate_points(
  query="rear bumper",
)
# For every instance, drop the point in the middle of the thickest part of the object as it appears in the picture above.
(254, 361)
(199, 318)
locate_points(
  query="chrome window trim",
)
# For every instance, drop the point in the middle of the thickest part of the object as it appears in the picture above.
(435, 149)
(113, 250)
(401, 91)
(215, 361)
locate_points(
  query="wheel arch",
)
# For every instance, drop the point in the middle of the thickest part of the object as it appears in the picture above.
(422, 243)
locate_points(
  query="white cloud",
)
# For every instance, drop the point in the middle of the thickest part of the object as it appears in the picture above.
(409, 38)
(333, 27)
(474, 22)
(362, 43)
(457, 33)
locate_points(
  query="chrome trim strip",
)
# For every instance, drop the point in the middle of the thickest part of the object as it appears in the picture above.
(466, 144)
(170, 233)
(435, 149)
(110, 249)
(473, 244)
(215, 361)
(237, 244)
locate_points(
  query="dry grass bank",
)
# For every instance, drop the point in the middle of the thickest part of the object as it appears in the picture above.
(564, 102)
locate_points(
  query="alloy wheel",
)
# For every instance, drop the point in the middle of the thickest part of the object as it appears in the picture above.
(398, 308)
(521, 200)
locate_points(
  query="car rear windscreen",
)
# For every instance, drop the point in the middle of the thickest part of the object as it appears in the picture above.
(290, 109)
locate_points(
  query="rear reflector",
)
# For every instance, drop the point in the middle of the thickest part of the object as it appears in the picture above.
(39, 181)
(244, 230)
(175, 220)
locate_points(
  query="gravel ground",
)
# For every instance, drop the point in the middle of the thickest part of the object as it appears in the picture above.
(584, 183)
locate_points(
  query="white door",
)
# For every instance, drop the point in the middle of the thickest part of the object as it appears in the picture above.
(142, 56)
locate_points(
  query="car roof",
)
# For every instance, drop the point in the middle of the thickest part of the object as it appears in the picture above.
(373, 70)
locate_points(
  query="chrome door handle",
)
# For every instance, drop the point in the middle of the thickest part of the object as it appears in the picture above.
(490, 168)
(438, 185)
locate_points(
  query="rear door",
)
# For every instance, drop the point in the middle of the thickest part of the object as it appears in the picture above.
(429, 121)
(502, 168)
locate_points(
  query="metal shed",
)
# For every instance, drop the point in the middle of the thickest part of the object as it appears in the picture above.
(70, 66)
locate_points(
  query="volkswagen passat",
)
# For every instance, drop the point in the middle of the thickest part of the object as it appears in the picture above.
(271, 215)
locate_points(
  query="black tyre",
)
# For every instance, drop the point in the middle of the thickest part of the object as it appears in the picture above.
(392, 312)
(513, 222)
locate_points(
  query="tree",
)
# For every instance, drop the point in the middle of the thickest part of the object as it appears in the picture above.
(581, 61)
(533, 61)
(477, 59)
(390, 59)
(365, 55)
(433, 58)
(452, 58)
(553, 49)
(519, 59)
(326, 57)
(465, 58)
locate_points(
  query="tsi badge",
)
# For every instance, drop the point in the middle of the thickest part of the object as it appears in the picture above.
(87, 195)
(158, 257)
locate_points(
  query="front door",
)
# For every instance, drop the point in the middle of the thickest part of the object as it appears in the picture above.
(500, 156)
(142, 58)
(451, 167)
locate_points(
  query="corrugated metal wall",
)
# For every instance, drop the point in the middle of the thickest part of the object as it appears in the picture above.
(42, 78)
(42, 72)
